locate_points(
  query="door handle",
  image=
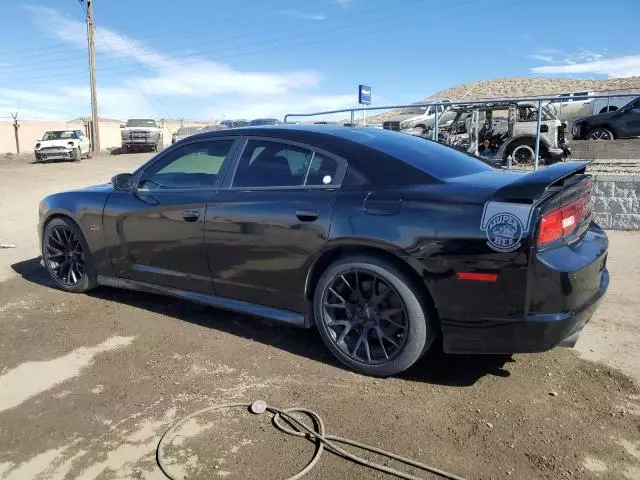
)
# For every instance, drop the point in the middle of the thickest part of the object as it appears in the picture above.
(191, 215)
(307, 215)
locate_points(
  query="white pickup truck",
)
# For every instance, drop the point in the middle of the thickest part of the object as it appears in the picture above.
(420, 117)
(141, 134)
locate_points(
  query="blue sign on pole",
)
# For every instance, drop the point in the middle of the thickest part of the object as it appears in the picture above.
(364, 95)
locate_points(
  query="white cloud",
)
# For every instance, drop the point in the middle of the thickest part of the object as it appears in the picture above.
(278, 107)
(616, 67)
(304, 16)
(582, 57)
(204, 83)
(343, 3)
(542, 58)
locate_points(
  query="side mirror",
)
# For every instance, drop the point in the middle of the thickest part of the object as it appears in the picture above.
(122, 182)
(122, 125)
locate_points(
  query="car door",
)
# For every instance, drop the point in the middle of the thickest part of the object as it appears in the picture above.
(159, 225)
(85, 144)
(263, 229)
(628, 120)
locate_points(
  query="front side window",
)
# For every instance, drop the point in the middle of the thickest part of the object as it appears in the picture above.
(196, 165)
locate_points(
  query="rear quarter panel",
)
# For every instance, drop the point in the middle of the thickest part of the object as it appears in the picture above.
(437, 232)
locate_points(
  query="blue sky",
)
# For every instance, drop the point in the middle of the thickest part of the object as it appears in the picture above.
(209, 59)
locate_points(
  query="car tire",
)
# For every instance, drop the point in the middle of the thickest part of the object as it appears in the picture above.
(57, 232)
(403, 349)
(77, 155)
(600, 133)
(518, 147)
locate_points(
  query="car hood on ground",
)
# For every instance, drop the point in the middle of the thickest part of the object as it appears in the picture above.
(56, 143)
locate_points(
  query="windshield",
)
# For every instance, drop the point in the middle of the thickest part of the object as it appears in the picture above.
(189, 130)
(141, 123)
(413, 110)
(58, 135)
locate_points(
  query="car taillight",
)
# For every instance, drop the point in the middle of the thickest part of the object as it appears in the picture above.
(563, 221)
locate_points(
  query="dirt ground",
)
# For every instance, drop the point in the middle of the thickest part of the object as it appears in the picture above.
(88, 383)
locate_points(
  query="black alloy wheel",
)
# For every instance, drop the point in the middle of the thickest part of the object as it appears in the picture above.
(370, 316)
(366, 317)
(66, 256)
(600, 133)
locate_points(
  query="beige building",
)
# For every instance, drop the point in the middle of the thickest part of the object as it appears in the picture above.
(31, 130)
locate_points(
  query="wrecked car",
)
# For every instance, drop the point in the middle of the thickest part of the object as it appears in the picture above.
(70, 145)
(500, 130)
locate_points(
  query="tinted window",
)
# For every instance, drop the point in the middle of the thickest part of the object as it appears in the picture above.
(322, 171)
(271, 164)
(191, 166)
(430, 157)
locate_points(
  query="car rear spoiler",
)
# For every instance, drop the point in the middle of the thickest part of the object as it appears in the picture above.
(532, 186)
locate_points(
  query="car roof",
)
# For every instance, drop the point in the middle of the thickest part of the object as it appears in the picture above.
(374, 152)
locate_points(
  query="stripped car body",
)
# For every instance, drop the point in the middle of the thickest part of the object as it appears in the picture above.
(501, 129)
(421, 226)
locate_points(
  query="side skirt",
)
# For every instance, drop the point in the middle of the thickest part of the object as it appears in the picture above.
(284, 316)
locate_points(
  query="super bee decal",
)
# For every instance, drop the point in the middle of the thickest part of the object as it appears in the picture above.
(505, 224)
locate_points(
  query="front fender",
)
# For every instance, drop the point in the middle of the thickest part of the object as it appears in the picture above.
(85, 209)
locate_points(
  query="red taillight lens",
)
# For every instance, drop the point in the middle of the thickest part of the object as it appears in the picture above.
(563, 221)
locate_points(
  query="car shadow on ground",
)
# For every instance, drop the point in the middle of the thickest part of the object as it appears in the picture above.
(434, 368)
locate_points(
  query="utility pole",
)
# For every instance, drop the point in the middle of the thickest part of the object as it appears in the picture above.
(95, 137)
(15, 130)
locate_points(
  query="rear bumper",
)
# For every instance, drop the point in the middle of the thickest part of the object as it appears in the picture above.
(529, 334)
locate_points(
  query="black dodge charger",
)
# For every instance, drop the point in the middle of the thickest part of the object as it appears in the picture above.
(387, 243)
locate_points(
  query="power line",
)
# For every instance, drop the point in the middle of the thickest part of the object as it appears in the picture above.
(233, 52)
(165, 39)
(144, 46)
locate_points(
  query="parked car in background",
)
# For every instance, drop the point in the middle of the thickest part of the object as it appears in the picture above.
(232, 124)
(264, 121)
(572, 106)
(621, 123)
(420, 117)
(372, 237)
(63, 145)
(184, 132)
(140, 134)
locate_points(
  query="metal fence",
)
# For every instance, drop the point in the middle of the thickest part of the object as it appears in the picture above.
(609, 102)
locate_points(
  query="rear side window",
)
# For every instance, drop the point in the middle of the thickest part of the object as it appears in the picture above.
(271, 164)
(437, 160)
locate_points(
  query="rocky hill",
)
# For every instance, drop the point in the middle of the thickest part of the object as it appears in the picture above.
(526, 87)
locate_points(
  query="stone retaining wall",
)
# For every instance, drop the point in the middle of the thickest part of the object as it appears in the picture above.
(616, 201)
(590, 150)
